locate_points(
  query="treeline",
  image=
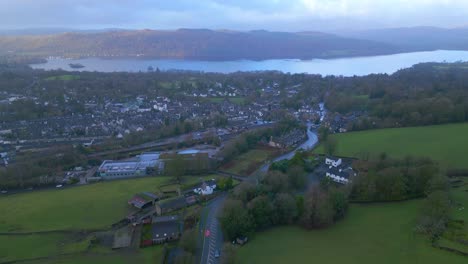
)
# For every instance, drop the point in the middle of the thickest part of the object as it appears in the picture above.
(385, 179)
(426, 94)
(274, 202)
(44, 170)
(249, 140)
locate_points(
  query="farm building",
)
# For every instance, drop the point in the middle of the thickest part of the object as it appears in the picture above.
(143, 200)
(165, 229)
(170, 205)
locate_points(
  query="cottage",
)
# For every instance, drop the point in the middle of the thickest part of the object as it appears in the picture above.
(340, 175)
(206, 188)
(335, 162)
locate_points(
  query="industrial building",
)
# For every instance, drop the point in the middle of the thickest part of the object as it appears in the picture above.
(142, 165)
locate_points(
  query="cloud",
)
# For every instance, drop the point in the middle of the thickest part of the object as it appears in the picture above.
(290, 15)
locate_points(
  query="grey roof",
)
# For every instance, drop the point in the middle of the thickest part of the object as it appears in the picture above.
(167, 218)
(165, 229)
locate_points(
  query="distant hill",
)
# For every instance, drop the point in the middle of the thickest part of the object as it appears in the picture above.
(416, 38)
(193, 44)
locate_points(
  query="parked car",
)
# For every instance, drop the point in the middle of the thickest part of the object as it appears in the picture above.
(217, 254)
(59, 186)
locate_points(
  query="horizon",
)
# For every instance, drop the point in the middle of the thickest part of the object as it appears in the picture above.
(279, 15)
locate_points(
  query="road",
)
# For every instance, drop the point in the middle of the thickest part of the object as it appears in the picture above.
(211, 236)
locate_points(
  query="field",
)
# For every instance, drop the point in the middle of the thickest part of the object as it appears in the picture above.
(445, 143)
(248, 162)
(85, 208)
(92, 206)
(378, 233)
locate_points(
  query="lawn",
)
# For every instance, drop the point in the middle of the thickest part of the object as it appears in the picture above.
(66, 77)
(248, 162)
(445, 143)
(378, 233)
(91, 206)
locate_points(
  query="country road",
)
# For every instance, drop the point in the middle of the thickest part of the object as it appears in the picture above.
(211, 235)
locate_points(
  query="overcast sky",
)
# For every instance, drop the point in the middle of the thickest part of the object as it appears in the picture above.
(284, 15)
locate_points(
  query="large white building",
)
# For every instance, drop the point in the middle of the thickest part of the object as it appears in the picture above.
(141, 165)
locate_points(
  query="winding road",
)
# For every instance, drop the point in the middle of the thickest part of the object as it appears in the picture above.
(211, 235)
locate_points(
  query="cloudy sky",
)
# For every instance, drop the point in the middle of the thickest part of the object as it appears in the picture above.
(285, 15)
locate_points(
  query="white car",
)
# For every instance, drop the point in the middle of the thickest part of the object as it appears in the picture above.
(59, 186)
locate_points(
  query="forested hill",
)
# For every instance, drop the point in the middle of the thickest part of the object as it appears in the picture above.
(194, 44)
(416, 38)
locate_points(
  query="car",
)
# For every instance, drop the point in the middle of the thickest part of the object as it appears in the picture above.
(217, 254)
(4, 191)
(59, 186)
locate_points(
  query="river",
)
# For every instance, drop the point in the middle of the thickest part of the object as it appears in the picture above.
(358, 66)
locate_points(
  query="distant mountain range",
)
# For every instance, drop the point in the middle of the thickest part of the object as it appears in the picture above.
(193, 44)
(203, 44)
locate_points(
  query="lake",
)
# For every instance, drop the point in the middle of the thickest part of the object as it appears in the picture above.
(343, 66)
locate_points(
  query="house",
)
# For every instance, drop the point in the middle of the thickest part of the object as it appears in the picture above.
(340, 175)
(335, 162)
(143, 200)
(206, 188)
(161, 229)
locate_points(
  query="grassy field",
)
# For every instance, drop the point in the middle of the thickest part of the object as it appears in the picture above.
(146, 256)
(446, 143)
(248, 162)
(92, 206)
(66, 77)
(43, 245)
(378, 233)
(88, 207)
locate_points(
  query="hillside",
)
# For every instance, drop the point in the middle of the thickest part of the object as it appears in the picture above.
(416, 38)
(193, 44)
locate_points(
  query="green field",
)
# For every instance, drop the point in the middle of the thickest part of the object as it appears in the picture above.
(13, 246)
(93, 206)
(248, 162)
(88, 207)
(147, 255)
(448, 144)
(378, 233)
(66, 77)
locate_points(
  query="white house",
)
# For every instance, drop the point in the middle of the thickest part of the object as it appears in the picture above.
(337, 177)
(333, 162)
(340, 175)
(206, 188)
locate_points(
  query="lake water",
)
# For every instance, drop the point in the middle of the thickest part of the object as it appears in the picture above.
(343, 66)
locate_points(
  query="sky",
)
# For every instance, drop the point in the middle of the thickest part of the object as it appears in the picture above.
(279, 15)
